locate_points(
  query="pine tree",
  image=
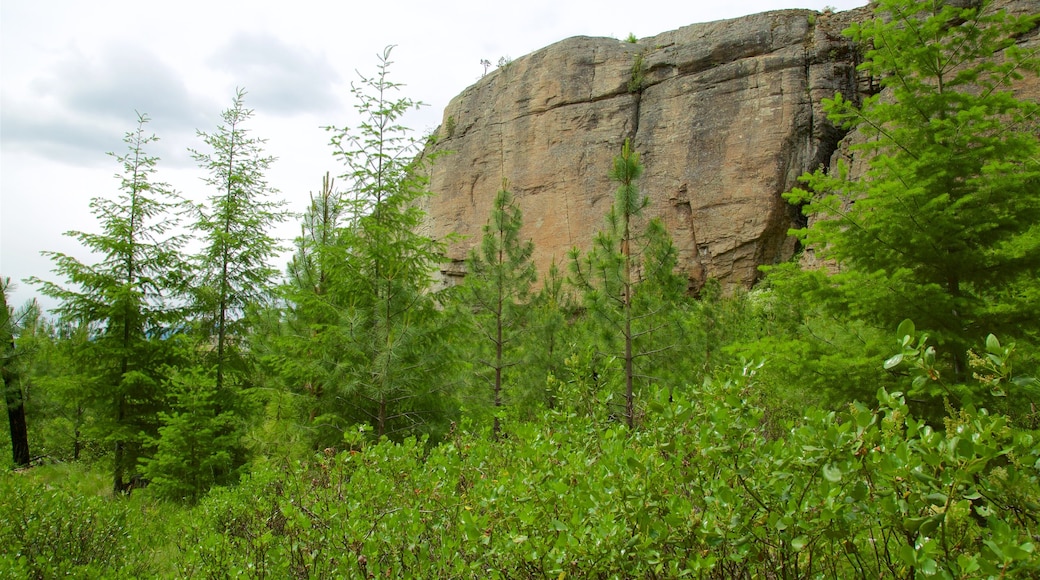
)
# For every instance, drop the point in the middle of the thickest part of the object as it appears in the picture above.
(388, 370)
(944, 227)
(498, 283)
(629, 276)
(128, 299)
(295, 352)
(546, 343)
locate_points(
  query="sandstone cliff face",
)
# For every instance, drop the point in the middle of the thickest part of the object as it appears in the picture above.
(726, 116)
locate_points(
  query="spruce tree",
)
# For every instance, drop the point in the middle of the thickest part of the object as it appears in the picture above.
(128, 300)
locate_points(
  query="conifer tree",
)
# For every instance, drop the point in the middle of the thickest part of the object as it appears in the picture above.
(389, 370)
(944, 227)
(293, 345)
(545, 345)
(497, 286)
(629, 276)
(199, 443)
(128, 299)
(235, 226)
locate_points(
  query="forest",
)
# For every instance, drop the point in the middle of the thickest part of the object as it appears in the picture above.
(192, 410)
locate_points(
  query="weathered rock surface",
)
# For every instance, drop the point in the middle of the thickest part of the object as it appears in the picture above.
(726, 116)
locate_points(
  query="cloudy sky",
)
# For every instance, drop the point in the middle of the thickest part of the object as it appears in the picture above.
(73, 73)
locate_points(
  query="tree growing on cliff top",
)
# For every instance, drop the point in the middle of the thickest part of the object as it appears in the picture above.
(944, 227)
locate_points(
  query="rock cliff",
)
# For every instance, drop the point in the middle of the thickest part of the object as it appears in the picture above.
(726, 116)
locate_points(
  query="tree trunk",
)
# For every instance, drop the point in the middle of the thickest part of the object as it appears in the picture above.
(16, 419)
(15, 403)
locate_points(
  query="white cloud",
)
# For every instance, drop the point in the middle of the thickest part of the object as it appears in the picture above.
(280, 78)
(79, 107)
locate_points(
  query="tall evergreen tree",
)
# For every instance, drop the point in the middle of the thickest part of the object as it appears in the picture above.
(199, 443)
(388, 369)
(128, 299)
(629, 276)
(497, 288)
(235, 271)
(293, 345)
(944, 227)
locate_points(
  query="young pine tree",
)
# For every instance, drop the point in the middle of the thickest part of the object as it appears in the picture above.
(498, 283)
(128, 300)
(629, 279)
(294, 346)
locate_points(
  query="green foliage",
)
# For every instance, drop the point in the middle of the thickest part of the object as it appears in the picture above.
(199, 441)
(629, 281)
(372, 333)
(127, 301)
(818, 352)
(59, 392)
(698, 490)
(496, 292)
(49, 533)
(943, 225)
(546, 343)
(638, 74)
(234, 266)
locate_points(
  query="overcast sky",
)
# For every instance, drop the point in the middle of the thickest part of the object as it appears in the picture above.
(73, 74)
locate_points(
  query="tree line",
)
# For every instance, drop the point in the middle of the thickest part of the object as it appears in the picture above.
(183, 369)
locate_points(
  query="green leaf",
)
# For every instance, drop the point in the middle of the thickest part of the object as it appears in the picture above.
(930, 524)
(906, 329)
(832, 473)
(799, 543)
(993, 345)
(937, 499)
(893, 361)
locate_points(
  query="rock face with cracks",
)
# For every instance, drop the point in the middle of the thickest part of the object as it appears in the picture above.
(726, 115)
